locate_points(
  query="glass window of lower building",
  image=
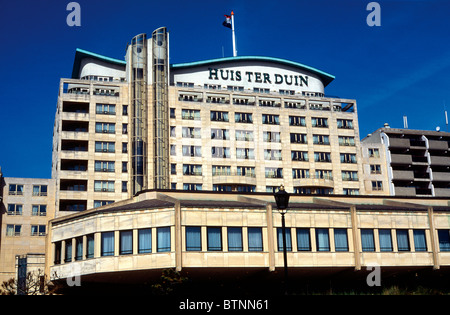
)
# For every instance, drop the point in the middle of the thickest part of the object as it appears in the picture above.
(107, 244)
(193, 238)
(385, 238)
(303, 240)
(420, 242)
(163, 239)
(214, 237)
(322, 240)
(280, 239)
(126, 242)
(367, 240)
(340, 240)
(403, 240)
(234, 239)
(444, 240)
(144, 241)
(255, 240)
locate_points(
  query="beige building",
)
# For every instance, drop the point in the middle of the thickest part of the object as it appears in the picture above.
(241, 124)
(27, 204)
(235, 236)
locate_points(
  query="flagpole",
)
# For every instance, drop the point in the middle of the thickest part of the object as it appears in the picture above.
(234, 38)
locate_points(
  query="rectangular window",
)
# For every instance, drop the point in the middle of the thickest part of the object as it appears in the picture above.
(214, 236)
(322, 240)
(420, 241)
(403, 240)
(322, 157)
(107, 244)
(192, 169)
(220, 134)
(244, 135)
(15, 189)
(58, 251)
(13, 230)
(90, 246)
(271, 136)
(220, 152)
(273, 172)
(373, 152)
(270, 119)
(367, 240)
(348, 158)
(163, 239)
(299, 156)
(377, 185)
(243, 118)
(303, 240)
(300, 173)
(105, 186)
(319, 122)
(444, 240)
(375, 169)
(105, 127)
(385, 240)
(298, 138)
(144, 241)
(38, 230)
(68, 251)
(193, 238)
(321, 139)
(345, 123)
(191, 132)
(255, 241)
(274, 155)
(191, 150)
(104, 166)
(219, 116)
(191, 186)
(40, 190)
(245, 153)
(108, 147)
(346, 141)
(14, 209)
(107, 109)
(234, 239)
(190, 114)
(340, 240)
(126, 242)
(280, 239)
(297, 121)
(79, 248)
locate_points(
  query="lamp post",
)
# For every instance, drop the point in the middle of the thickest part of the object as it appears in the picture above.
(282, 200)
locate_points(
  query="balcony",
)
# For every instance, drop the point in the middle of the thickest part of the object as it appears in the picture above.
(399, 143)
(234, 178)
(441, 177)
(437, 145)
(440, 160)
(401, 159)
(314, 181)
(403, 175)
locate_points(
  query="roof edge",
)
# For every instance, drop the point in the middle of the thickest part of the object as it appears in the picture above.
(81, 53)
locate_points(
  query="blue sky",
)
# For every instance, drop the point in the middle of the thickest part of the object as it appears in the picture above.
(399, 68)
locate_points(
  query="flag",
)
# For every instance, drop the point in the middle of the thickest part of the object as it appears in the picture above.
(227, 22)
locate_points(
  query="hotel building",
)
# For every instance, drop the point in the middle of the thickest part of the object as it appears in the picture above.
(245, 124)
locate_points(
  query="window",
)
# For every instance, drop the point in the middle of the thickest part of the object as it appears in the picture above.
(222, 134)
(214, 236)
(245, 153)
(219, 116)
(324, 174)
(348, 158)
(105, 127)
(377, 185)
(105, 147)
(270, 119)
(255, 242)
(385, 240)
(280, 239)
(349, 175)
(173, 131)
(375, 169)
(319, 122)
(126, 242)
(14, 209)
(244, 135)
(40, 190)
(321, 139)
(125, 110)
(191, 132)
(191, 150)
(350, 191)
(218, 170)
(374, 152)
(68, 251)
(124, 147)
(103, 186)
(297, 121)
(38, 230)
(270, 136)
(322, 157)
(346, 141)
(107, 109)
(345, 123)
(13, 229)
(163, 239)
(188, 186)
(90, 246)
(58, 251)
(234, 239)
(144, 241)
(190, 169)
(243, 118)
(322, 240)
(79, 248)
(403, 241)
(444, 240)
(124, 186)
(303, 240)
(272, 172)
(173, 169)
(246, 171)
(104, 166)
(274, 155)
(298, 138)
(299, 156)
(173, 149)
(367, 240)
(220, 152)
(190, 114)
(124, 167)
(172, 113)
(340, 240)
(420, 242)
(300, 173)
(15, 189)
(107, 244)
(193, 238)
(38, 210)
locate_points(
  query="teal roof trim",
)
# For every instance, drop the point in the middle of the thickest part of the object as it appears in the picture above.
(326, 77)
(80, 54)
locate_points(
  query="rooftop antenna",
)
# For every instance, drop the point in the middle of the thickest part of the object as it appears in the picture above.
(405, 122)
(446, 117)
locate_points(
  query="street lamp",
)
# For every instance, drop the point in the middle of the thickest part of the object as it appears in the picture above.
(282, 200)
